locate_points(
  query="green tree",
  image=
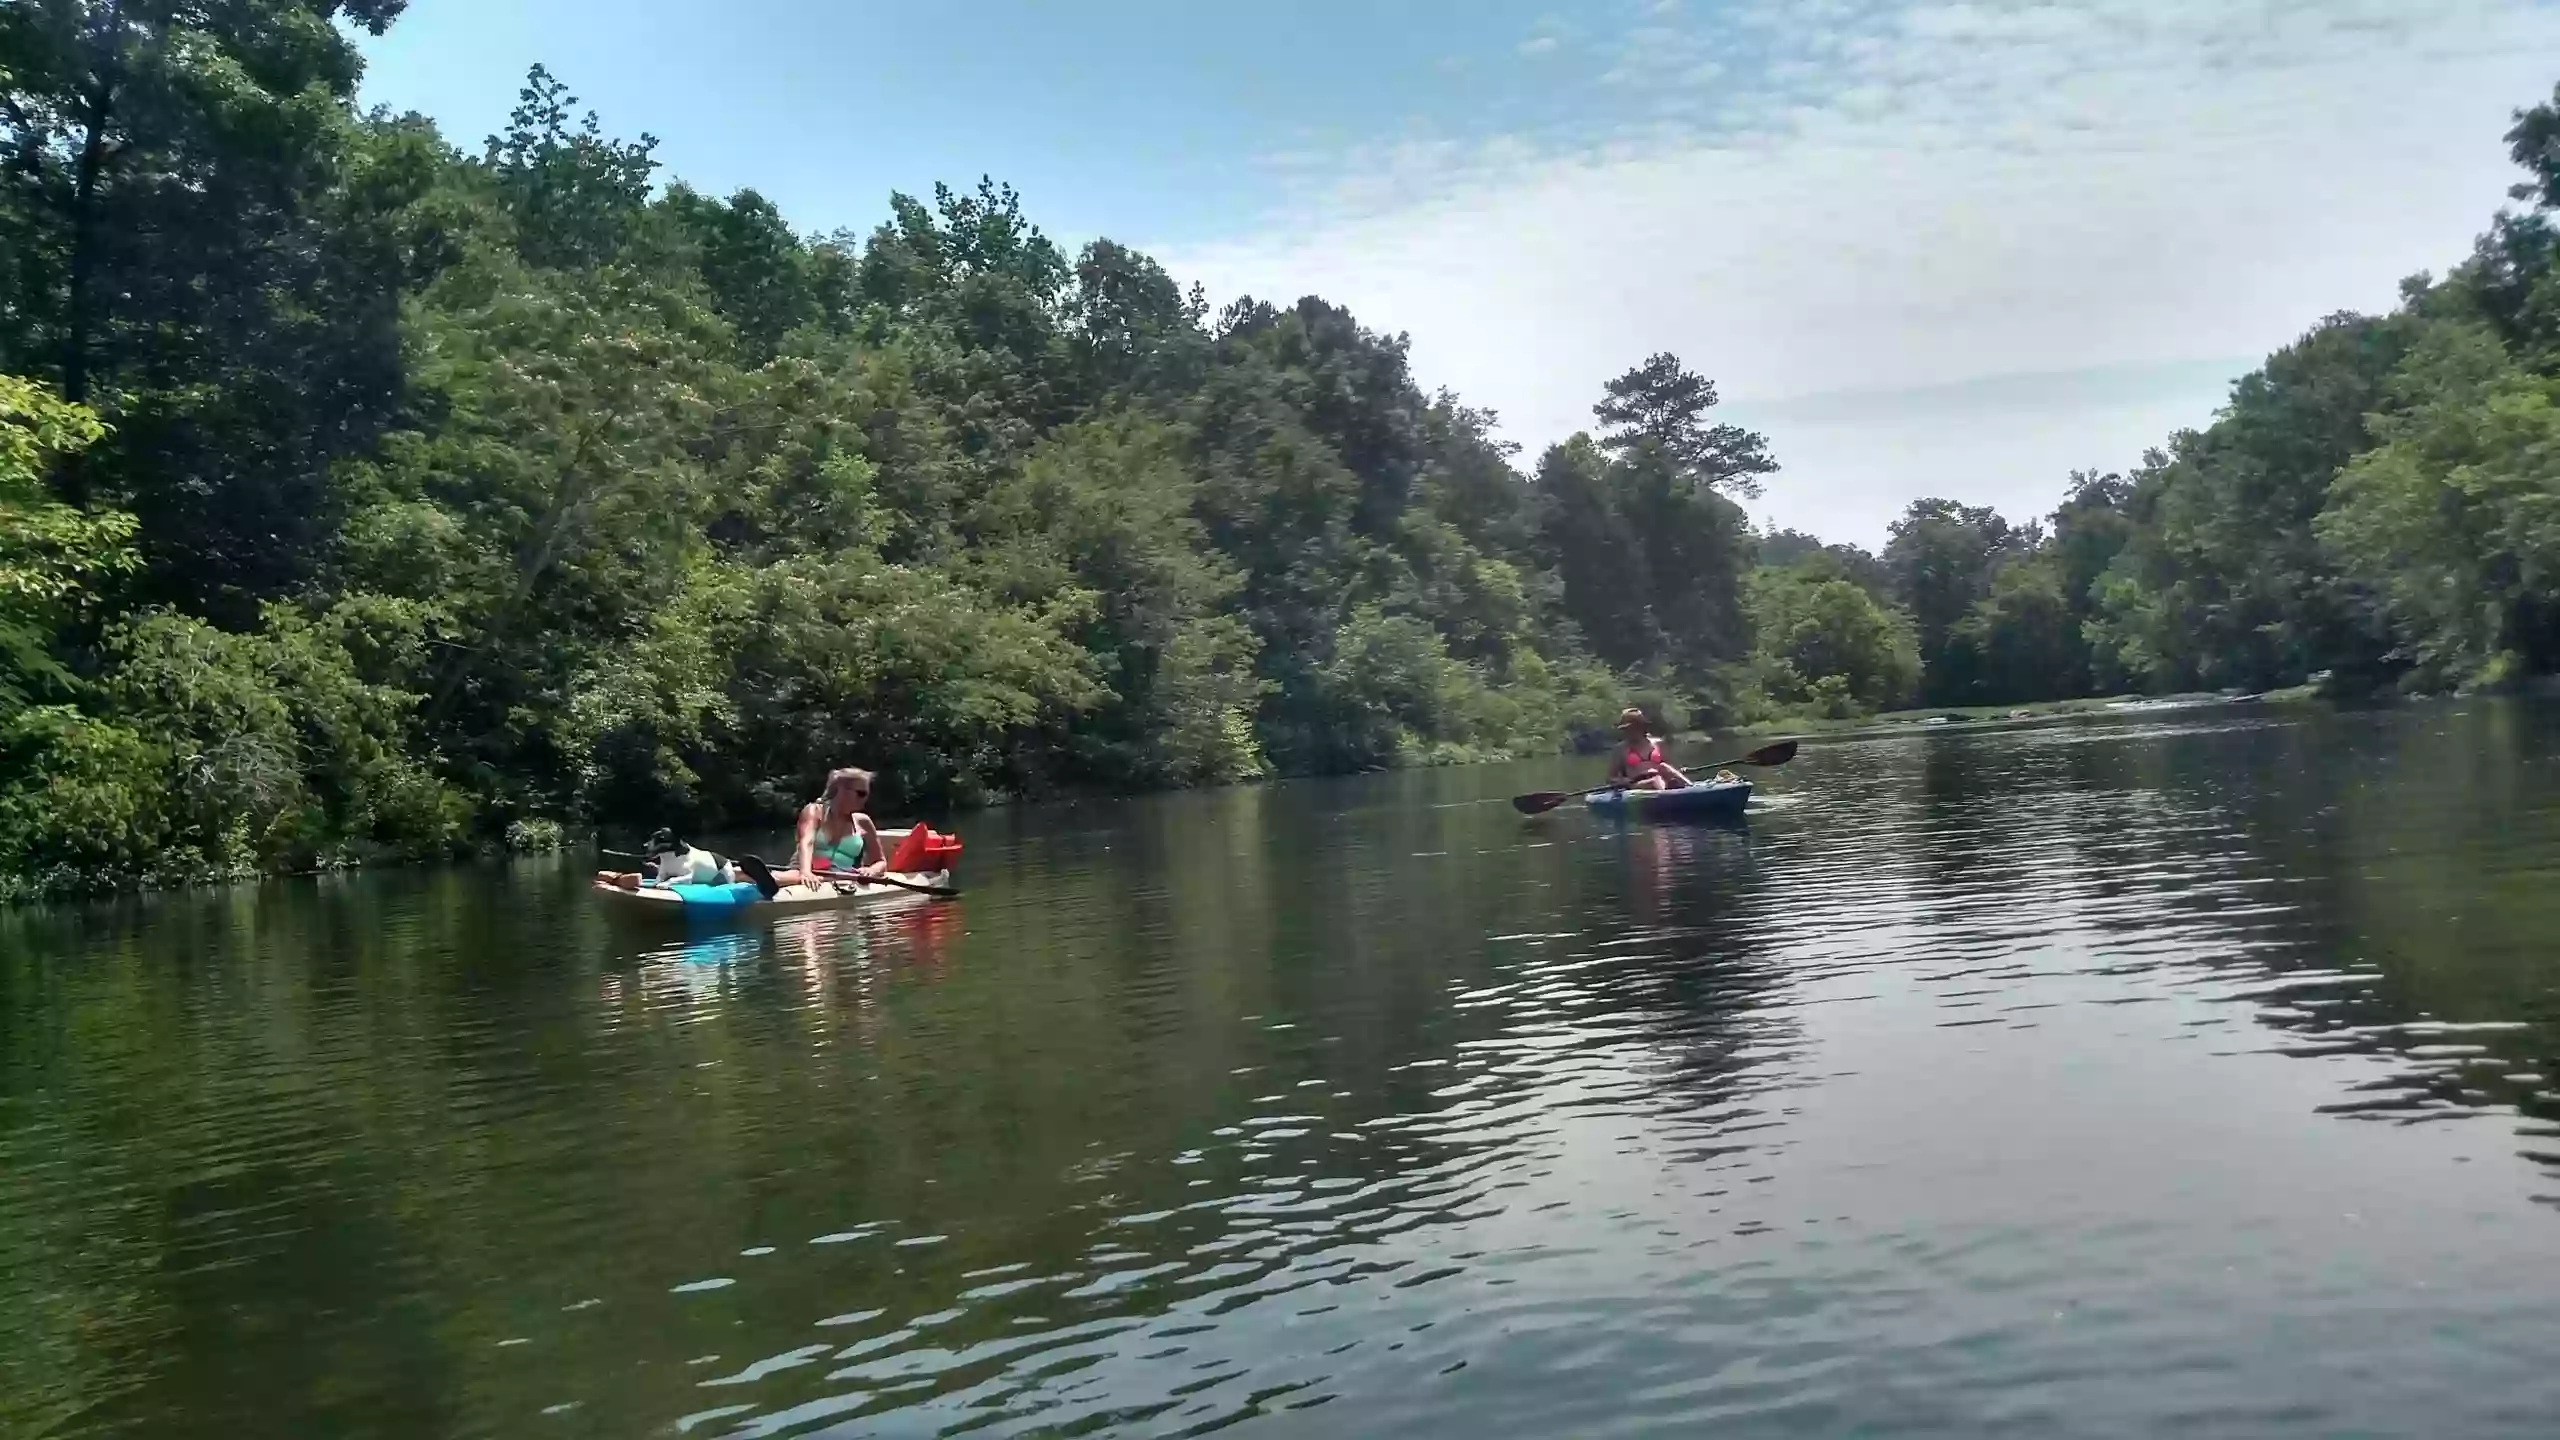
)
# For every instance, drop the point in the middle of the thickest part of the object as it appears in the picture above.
(1663, 404)
(1650, 555)
(1824, 643)
(2222, 581)
(1103, 510)
(1779, 549)
(761, 278)
(575, 195)
(2453, 519)
(552, 507)
(204, 245)
(934, 684)
(1134, 331)
(1469, 480)
(52, 556)
(1695, 546)
(1943, 557)
(2023, 640)
(2090, 528)
(1591, 547)
(2510, 277)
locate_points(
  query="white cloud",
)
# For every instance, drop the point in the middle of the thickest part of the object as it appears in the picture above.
(1828, 197)
(1855, 458)
(1539, 45)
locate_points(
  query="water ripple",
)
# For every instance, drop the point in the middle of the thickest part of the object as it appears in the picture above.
(2094, 1078)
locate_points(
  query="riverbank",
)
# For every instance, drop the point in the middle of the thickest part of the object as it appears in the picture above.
(540, 837)
(1984, 717)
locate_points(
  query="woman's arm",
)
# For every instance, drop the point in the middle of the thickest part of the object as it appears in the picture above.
(875, 856)
(803, 855)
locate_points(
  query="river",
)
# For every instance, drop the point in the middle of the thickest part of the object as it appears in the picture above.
(2174, 1071)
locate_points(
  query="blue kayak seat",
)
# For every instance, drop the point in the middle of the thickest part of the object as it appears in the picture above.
(717, 897)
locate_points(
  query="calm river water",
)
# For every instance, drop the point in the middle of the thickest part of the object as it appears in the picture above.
(2185, 1071)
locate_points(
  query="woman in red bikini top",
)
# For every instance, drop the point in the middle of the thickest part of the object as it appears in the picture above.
(1640, 765)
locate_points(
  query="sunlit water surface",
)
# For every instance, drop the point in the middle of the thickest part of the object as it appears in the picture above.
(2186, 1072)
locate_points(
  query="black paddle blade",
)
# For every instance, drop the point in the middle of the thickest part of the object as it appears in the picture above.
(1540, 803)
(1778, 754)
(762, 874)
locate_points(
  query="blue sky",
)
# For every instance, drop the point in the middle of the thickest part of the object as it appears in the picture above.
(1162, 118)
(1928, 246)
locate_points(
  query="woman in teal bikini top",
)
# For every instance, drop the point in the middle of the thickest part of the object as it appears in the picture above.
(837, 840)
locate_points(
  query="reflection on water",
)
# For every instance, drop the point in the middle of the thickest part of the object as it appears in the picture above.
(2184, 1070)
(832, 966)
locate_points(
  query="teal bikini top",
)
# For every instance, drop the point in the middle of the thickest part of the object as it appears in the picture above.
(842, 853)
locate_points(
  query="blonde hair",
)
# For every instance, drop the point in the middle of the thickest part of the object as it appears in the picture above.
(837, 780)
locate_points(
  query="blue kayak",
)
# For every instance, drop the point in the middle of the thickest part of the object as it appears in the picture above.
(1710, 801)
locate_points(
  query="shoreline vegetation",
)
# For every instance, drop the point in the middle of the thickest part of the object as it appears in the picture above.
(367, 498)
(547, 838)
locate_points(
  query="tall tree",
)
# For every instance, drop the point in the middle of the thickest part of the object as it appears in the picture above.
(1587, 541)
(197, 246)
(1664, 403)
(1942, 557)
(1781, 549)
(2222, 581)
(2454, 518)
(762, 279)
(2021, 641)
(1650, 554)
(574, 193)
(1824, 643)
(1136, 331)
(2090, 528)
(52, 556)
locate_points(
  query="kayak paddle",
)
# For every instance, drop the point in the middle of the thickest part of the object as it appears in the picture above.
(1546, 800)
(761, 874)
(944, 891)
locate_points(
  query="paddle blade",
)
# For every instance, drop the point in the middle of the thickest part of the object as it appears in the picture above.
(1778, 754)
(1540, 803)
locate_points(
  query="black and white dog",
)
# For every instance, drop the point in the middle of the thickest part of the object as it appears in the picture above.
(679, 862)
(670, 861)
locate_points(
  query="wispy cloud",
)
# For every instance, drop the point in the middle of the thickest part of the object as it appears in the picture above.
(1828, 197)
(1546, 37)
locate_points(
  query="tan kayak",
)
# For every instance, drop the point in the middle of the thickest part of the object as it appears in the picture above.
(742, 901)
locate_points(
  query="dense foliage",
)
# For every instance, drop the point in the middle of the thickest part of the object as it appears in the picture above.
(362, 496)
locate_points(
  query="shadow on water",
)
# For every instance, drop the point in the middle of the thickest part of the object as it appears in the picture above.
(1977, 1082)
